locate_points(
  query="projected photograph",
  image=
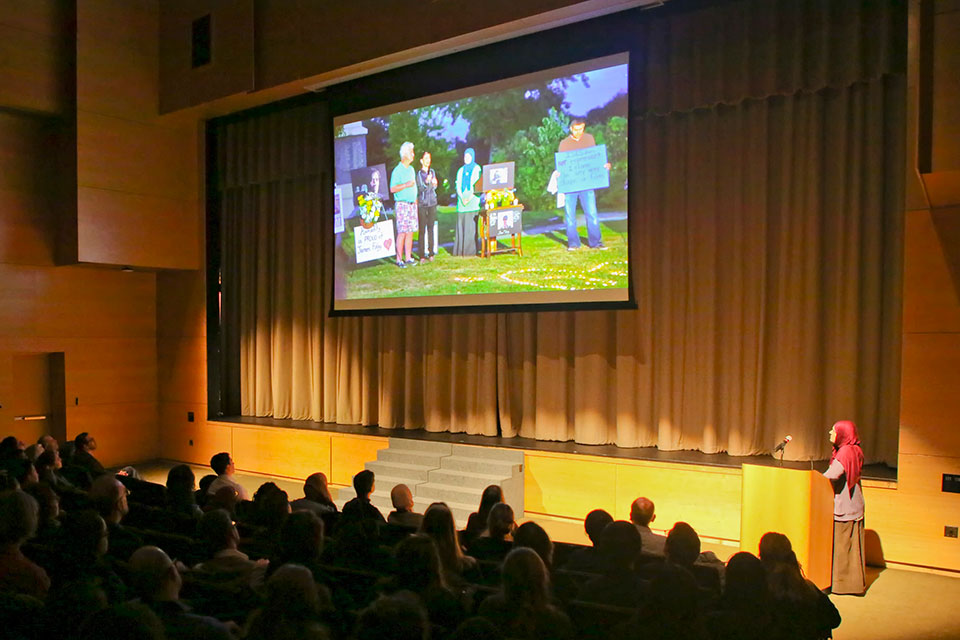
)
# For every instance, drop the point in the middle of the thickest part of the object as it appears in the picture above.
(513, 192)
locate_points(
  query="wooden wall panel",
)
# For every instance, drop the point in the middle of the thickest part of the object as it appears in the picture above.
(194, 442)
(348, 454)
(568, 486)
(930, 298)
(292, 454)
(929, 397)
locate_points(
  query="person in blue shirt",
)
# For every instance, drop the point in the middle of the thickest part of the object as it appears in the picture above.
(403, 186)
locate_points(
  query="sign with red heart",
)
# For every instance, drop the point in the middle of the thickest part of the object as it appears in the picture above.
(375, 242)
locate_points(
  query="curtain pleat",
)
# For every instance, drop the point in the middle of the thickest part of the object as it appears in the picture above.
(766, 250)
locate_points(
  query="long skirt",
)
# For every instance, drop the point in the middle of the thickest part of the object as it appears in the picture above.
(849, 560)
(465, 236)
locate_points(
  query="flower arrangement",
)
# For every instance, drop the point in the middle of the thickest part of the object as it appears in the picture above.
(499, 198)
(370, 208)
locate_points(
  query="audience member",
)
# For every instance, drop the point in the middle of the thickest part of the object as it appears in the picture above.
(181, 491)
(417, 569)
(316, 496)
(356, 545)
(48, 523)
(33, 452)
(641, 515)
(203, 485)
(48, 470)
(477, 628)
(225, 563)
(360, 508)
(10, 447)
(222, 464)
(477, 522)
(683, 550)
(127, 621)
(293, 607)
(403, 514)
(586, 559)
(438, 523)
(744, 610)
(48, 442)
(18, 523)
(81, 566)
(109, 497)
(497, 540)
(158, 583)
(301, 543)
(522, 609)
(398, 617)
(21, 470)
(532, 535)
(225, 498)
(671, 609)
(800, 610)
(83, 457)
(619, 585)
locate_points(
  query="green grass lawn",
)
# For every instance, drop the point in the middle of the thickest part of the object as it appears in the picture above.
(546, 265)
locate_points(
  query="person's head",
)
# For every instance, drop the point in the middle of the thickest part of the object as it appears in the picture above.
(524, 578)
(10, 447)
(501, 522)
(594, 524)
(745, 580)
(425, 160)
(844, 432)
(47, 500)
(109, 498)
(83, 536)
(22, 470)
(532, 535)
(301, 537)
(363, 484)
(776, 548)
(438, 523)
(620, 544)
(401, 497)
(490, 496)
(673, 596)
(641, 512)
(181, 481)
(217, 531)
(273, 508)
(222, 464)
(292, 590)
(399, 617)
(18, 518)
(417, 563)
(48, 442)
(154, 575)
(375, 181)
(315, 488)
(49, 460)
(33, 452)
(577, 127)
(127, 621)
(469, 155)
(406, 153)
(225, 498)
(683, 545)
(85, 442)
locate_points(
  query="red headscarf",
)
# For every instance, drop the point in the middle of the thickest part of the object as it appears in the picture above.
(846, 449)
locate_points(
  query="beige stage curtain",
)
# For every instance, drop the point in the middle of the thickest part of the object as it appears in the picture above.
(766, 230)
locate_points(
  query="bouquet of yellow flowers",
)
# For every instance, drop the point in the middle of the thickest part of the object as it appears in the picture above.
(499, 198)
(370, 208)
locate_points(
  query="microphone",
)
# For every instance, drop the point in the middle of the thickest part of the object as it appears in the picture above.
(783, 444)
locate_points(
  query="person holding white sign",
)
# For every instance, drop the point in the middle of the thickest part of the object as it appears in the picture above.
(403, 186)
(580, 139)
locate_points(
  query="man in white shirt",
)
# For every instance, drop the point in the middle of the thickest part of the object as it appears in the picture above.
(222, 465)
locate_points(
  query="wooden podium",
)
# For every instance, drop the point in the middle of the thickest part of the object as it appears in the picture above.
(797, 503)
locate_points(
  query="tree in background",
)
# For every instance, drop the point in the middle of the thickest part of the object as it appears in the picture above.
(613, 133)
(422, 128)
(533, 151)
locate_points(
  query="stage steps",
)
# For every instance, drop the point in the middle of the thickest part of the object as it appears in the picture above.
(444, 472)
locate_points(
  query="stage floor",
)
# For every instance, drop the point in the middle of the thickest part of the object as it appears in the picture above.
(870, 472)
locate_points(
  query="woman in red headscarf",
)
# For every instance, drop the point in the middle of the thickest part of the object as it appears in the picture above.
(846, 463)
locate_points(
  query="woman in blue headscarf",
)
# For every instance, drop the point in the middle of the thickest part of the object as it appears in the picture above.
(468, 206)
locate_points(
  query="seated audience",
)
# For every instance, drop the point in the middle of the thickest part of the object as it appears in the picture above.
(181, 491)
(397, 617)
(477, 628)
(417, 569)
(222, 464)
(293, 608)
(18, 523)
(48, 523)
(586, 559)
(301, 543)
(744, 609)
(271, 509)
(203, 485)
(672, 609)
(225, 562)
(109, 497)
(439, 525)
(225, 498)
(83, 457)
(617, 551)
(48, 442)
(522, 609)
(532, 535)
(641, 515)
(129, 621)
(316, 496)
(11, 448)
(403, 514)
(33, 452)
(48, 470)
(497, 540)
(21, 470)
(356, 545)
(477, 522)
(158, 583)
(800, 610)
(360, 508)
(82, 571)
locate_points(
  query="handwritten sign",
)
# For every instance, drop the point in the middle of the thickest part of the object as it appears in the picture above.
(583, 169)
(375, 242)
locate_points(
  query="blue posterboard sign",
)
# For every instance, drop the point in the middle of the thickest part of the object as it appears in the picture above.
(582, 169)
